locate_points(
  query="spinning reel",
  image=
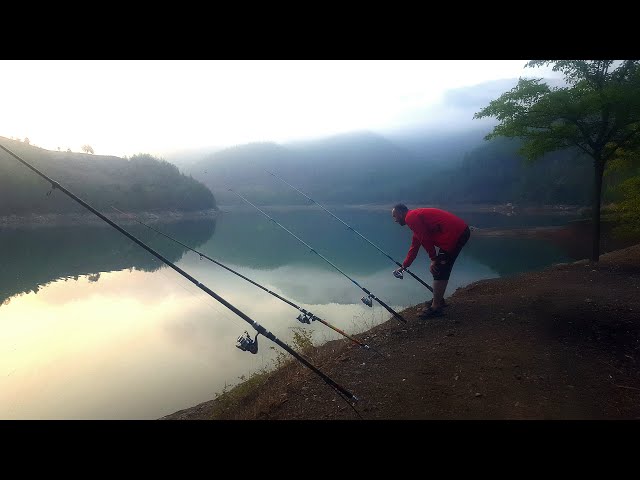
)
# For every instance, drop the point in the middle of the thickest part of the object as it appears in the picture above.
(306, 317)
(246, 344)
(367, 300)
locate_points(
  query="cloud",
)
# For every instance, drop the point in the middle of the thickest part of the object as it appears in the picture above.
(477, 96)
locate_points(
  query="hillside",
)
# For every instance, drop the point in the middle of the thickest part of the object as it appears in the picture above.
(340, 168)
(494, 172)
(141, 183)
(368, 168)
(560, 343)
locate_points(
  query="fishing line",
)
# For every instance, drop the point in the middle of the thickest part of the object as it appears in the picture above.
(243, 344)
(366, 300)
(306, 317)
(397, 275)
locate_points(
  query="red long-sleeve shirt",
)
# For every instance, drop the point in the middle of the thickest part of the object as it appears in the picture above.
(432, 227)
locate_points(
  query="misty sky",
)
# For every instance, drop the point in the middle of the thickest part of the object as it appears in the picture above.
(157, 106)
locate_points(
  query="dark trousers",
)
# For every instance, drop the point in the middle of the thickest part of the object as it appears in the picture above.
(445, 260)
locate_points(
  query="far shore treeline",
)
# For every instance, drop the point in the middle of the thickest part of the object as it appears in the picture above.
(345, 169)
(139, 183)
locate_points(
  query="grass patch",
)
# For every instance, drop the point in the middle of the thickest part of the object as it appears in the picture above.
(233, 398)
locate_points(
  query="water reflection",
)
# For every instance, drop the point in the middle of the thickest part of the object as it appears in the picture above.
(32, 257)
(96, 327)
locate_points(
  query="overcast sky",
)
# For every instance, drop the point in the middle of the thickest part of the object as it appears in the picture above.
(155, 106)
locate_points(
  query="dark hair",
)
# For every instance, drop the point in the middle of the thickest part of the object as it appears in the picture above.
(400, 207)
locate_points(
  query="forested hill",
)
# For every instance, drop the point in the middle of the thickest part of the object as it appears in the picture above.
(495, 172)
(369, 168)
(351, 168)
(141, 183)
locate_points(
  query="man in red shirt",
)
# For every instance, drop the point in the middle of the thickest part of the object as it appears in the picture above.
(432, 228)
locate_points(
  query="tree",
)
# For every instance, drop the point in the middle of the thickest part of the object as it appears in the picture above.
(597, 113)
(87, 149)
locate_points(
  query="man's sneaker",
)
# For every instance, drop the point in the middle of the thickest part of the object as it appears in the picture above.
(430, 302)
(429, 313)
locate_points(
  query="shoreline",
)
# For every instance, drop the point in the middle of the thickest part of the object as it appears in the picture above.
(503, 209)
(496, 354)
(89, 218)
(35, 220)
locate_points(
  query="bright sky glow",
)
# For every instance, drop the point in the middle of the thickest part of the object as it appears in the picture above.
(153, 106)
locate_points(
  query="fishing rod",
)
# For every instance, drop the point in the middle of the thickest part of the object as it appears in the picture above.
(304, 317)
(397, 275)
(245, 342)
(366, 300)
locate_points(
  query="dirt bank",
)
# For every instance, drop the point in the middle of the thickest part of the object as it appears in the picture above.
(561, 343)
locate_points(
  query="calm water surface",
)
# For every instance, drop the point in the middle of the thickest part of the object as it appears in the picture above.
(94, 327)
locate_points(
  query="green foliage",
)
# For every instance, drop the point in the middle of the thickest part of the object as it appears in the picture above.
(141, 183)
(624, 166)
(597, 112)
(628, 210)
(302, 342)
(231, 396)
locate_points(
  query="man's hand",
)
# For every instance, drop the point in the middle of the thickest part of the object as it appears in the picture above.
(398, 272)
(433, 268)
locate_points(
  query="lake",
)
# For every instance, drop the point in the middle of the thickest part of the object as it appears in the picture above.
(92, 326)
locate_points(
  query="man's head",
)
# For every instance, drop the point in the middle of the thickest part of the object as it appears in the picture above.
(399, 212)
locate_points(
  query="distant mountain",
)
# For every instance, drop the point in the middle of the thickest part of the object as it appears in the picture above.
(241, 168)
(442, 148)
(365, 167)
(338, 167)
(451, 116)
(440, 157)
(359, 167)
(185, 158)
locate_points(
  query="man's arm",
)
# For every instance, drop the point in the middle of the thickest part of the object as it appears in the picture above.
(430, 248)
(413, 251)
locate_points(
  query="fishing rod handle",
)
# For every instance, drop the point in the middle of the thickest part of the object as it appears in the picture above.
(390, 310)
(418, 279)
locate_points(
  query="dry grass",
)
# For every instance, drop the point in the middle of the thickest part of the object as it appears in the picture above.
(257, 390)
